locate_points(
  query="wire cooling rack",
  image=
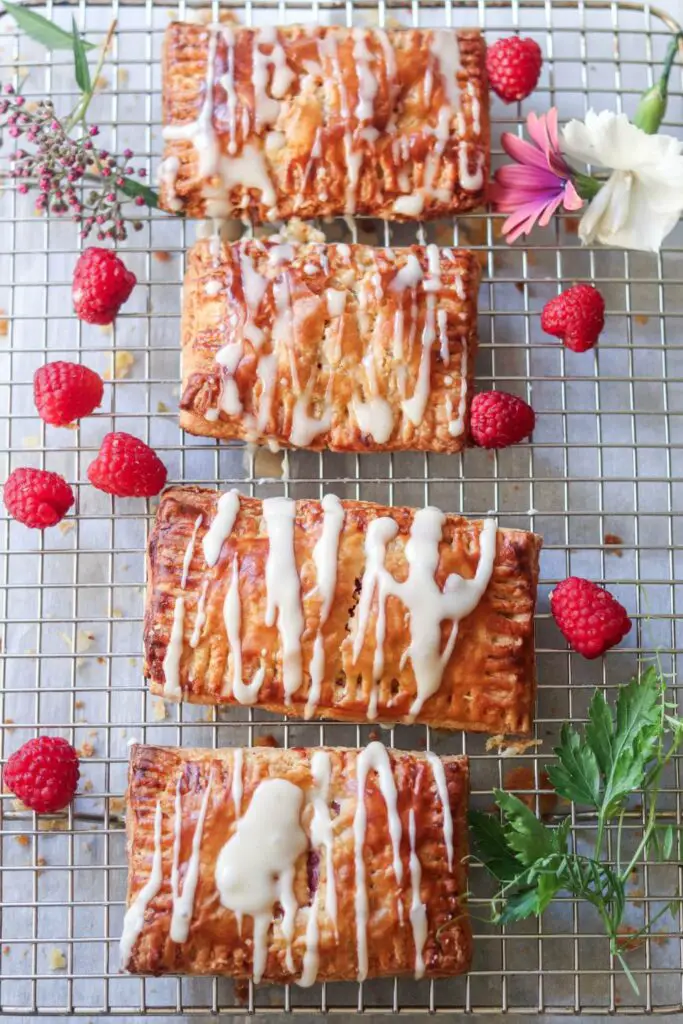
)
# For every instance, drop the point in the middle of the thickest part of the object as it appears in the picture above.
(601, 482)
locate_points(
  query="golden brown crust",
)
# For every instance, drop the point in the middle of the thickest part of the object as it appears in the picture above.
(391, 124)
(488, 683)
(214, 944)
(355, 320)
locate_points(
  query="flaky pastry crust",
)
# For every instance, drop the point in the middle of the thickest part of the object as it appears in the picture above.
(330, 352)
(215, 944)
(315, 121)
(488, 682)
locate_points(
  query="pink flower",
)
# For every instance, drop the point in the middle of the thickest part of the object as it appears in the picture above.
(538, 183)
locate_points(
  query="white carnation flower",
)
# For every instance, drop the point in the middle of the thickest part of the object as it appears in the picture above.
(642, 200)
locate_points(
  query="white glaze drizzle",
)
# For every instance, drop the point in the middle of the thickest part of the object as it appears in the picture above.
(322, 837)
(476, 107)
(213, 288)
(200, 617)
(254, 286)
(414, 407)
(168, 176)
(418, 911)
(266, 107)
(183, 903)
(470, 182)
(266, 371)
(174, 650)
(283, 589)
(189, 551)
(201, 132)
(367, 78)
(256, 866)
(134, 919)
(221, 526)
(442, 790)
(444, 47)
(373, 757)
(325, 559)
(427, 605)
(245, 693)
(227, 81)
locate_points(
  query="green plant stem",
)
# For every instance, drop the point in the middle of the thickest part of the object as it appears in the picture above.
(77, 115)
(587, 186)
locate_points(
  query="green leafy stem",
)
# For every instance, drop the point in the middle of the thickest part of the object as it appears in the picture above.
(619, 752)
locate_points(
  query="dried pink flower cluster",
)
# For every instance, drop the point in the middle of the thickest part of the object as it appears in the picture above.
(60, 162)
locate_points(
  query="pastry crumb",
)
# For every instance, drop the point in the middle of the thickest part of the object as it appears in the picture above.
(57, 960)
(510, 748)
(79, 704)
(100, 84)
(6, 950)
(158, 710)
(66, 526)
(614, 541)
(117, 613)
(19, 805)
(41, 862)
(162, 407)
(86, 749)
(106, 329)
(8, 723)
(31, 441)
(84, 640)
(267, 740)
(161, 256)
(122, 76)
(23, 840)
(641, 319)
(87, 786)
(297, 230)
(571, 225)
(122, 364)
(117, 805)
(4, 324)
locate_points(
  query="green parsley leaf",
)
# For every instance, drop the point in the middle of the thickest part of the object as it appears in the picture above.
(525, 834)
(491, 846)
(133, 188)
(577, 776)
(41, 29)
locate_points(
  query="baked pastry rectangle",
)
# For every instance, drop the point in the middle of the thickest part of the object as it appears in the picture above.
(317, 121)
(296, 865)
(317, 346)
(341, 609)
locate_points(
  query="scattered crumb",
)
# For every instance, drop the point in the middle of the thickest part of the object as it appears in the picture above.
(628, 938)
(117, 805)
(18, 805)
(6, 950)
(4, 324)
(32, 441)
(373, 735)
(207, 715)
(57, 960)
(66, 525)
(614, 540)
(86, 749)
(158, 710)
(268, 740)
(23, 840)
(241, 990)
(106, 329)
(122, 76)
(101, 660)
(519, 285)
(100, 84)
(571, 225)
(79, 704)
(67, 639)
(8, 723)
(161, 256)
(522, 778)
(123, 733)
(84, 640)
(93, 732)
(162, 407)
(41, 862)
(510, 748)
(87, 786)
(636, 895)
(297, 230)
(117, 613)
(175, 391)
(641, 319)
(266, 463)
(122, 365)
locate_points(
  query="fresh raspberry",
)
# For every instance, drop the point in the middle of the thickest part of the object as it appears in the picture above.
(498, 419)
(43, 773)
(64, 392)
(36, 497)
(101, 285)
(589, 618)
(577, 316)
(514, 67)
(127, 467)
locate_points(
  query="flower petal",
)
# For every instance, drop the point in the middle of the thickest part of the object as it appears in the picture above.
(572, 200)
(528, 177)
(549, 210)
(521, 151)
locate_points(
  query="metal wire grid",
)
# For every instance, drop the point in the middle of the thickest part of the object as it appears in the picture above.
(601, 482)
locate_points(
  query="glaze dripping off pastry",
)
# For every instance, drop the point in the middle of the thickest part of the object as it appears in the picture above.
(342, 609)
(335, 864)
(314, 121)
(345, 347)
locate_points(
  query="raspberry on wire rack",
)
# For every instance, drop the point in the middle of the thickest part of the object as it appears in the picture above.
(43, 773)
(65, 392)
(102, 283)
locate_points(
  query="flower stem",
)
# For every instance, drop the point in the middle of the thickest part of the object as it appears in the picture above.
(652, 106)
(587, 186)
(78, 113)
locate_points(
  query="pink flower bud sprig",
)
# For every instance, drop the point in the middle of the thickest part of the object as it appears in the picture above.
(58, 165)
